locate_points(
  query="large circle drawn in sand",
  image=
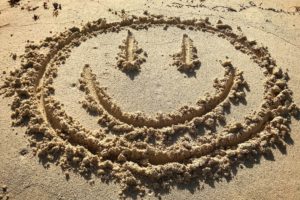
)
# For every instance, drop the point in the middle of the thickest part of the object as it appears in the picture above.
(139, 149)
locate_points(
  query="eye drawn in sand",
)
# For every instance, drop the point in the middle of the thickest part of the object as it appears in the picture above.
(138, 150)
(187, 60)
(130, 58)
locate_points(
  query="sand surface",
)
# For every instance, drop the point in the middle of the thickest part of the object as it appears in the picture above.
(133, 89)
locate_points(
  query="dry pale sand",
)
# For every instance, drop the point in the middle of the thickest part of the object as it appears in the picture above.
(149, 99)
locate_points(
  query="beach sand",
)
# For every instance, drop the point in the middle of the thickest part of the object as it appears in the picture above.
(149, 99)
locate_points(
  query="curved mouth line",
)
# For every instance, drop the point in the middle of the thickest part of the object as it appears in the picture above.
(138, 119)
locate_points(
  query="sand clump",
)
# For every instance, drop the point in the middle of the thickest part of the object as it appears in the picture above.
(145, 153)
(14, 3)
(4, 193)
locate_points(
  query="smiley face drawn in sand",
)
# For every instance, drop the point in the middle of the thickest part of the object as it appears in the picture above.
(145, 151)
(187, 60)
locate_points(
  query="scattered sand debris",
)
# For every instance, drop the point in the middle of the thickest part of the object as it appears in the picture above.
(147, 153)
(45, 6)
(130, 58)
(187, 60)
(30, 8)
(13, 56)
(226, 63)
(241, 8)
(23, 151)
(67, 175)
(4, 195)
(35, 17)
(56, 7)
(4, 188)
(13, 3)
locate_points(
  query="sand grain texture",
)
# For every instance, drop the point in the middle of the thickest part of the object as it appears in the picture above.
(187, 100)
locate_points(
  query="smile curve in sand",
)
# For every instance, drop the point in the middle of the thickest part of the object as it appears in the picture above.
(132, 154)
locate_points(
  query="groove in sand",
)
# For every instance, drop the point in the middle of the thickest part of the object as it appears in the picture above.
(167, 119)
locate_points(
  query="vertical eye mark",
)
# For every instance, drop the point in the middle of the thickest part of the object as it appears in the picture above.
(187, 60)
(130, 58)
